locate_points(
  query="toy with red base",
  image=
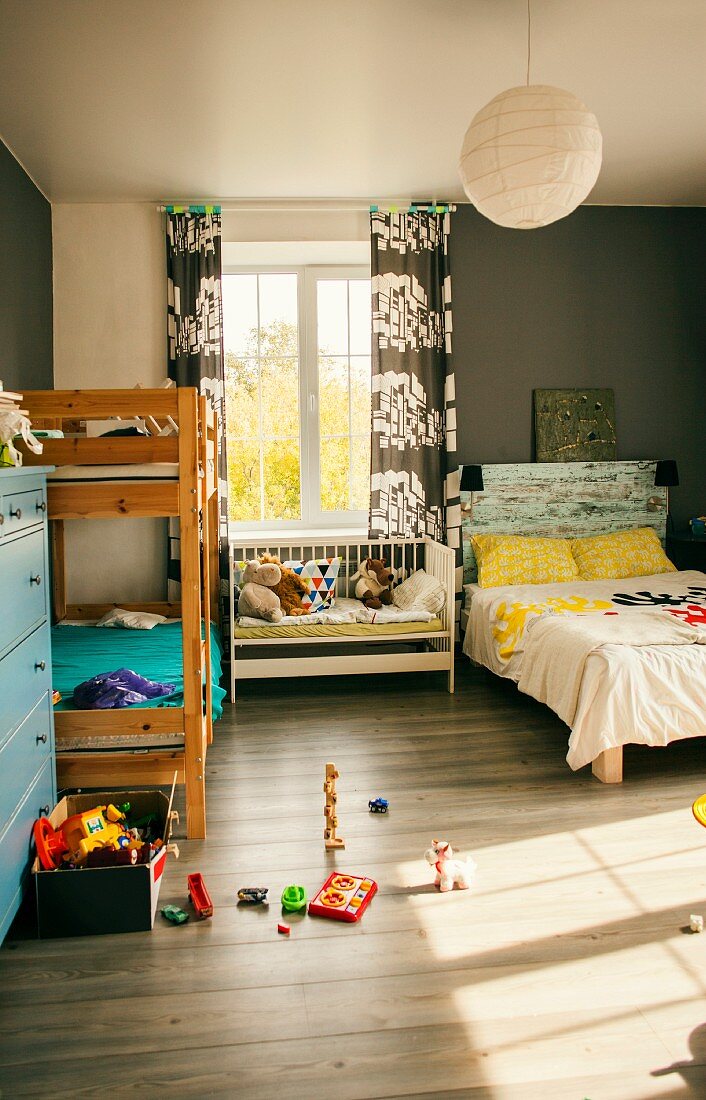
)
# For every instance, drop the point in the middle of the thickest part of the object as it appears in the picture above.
(343, 897)
(82, 833)
(199, 896)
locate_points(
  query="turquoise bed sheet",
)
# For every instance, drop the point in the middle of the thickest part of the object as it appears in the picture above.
(80, 652)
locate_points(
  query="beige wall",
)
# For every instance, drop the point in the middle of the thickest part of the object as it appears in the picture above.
(110, 330)
(296, 224)
(109, 295)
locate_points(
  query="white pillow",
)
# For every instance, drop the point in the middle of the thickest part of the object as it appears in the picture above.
(131, 620)
(420, 590)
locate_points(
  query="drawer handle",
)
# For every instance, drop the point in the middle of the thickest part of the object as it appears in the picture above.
(17, 513)
(39, 666)
(2, 519)
(35, 580)
(42, 506)
(42, 737)
(43, 811)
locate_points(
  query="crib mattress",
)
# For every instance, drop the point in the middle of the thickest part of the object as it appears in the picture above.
(80, 652)
(336, 630)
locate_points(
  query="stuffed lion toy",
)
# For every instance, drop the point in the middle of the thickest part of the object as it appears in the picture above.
(290, 588)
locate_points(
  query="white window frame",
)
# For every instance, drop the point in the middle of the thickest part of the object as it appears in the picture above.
(313, 519)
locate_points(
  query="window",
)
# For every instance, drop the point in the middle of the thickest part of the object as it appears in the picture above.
(297, 365)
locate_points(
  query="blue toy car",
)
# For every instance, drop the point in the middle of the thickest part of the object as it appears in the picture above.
(378, 805)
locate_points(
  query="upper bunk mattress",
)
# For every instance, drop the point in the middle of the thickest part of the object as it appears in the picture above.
(147, 471)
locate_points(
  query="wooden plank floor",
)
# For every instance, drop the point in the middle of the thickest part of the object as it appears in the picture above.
(563, 974)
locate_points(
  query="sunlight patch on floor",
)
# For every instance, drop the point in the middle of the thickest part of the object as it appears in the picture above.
(616, 877)
(576, 937)
(544, 1044)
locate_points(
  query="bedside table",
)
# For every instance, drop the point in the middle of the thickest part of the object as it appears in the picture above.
(687, 552)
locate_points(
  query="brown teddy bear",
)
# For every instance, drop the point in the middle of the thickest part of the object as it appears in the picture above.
(374, 583)
(290, 588)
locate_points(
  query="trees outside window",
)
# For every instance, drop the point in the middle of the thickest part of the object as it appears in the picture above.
(297, 361)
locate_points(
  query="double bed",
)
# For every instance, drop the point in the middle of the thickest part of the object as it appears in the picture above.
(621, 661)
(645, 693)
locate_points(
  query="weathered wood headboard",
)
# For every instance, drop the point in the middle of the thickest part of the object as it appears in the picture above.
(562, 499)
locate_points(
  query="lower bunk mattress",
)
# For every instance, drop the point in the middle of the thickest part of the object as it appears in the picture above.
(80, 652)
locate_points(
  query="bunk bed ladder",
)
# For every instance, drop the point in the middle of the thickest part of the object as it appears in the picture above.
(195, 738)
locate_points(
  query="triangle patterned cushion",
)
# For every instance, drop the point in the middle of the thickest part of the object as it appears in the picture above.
(319, 576)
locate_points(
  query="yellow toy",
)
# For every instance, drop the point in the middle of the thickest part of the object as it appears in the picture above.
(101, 827)
(699, 810)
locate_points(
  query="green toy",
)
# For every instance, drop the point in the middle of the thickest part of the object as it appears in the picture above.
(293, 898)
(174, 914)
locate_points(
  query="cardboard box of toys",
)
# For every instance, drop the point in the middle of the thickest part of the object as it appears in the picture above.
(77, 899)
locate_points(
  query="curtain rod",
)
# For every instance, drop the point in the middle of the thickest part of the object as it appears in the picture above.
(406, 207)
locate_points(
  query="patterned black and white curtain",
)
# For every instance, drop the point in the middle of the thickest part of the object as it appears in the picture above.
(195, 339)
(414, 486)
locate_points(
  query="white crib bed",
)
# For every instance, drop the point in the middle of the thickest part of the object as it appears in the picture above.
(424, 650)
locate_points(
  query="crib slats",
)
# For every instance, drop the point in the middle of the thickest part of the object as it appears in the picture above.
(405, 556)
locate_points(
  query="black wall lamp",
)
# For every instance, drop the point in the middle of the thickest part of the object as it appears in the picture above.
(666, 477)
(471, 482)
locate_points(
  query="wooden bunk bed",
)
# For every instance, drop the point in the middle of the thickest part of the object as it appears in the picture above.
(191, 496)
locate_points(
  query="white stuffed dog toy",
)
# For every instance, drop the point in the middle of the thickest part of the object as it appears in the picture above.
(448, 869)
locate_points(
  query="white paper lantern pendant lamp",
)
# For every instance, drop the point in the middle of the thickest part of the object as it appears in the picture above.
(530, 156)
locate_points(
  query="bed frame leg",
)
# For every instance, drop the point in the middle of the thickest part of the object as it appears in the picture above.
(195, 803)
(451, 675)
(608, 767)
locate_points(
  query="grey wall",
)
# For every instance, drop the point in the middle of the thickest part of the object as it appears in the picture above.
(25, 280)
(610, 296)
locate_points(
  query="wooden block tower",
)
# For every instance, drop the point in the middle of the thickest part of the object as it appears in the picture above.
(330, 838)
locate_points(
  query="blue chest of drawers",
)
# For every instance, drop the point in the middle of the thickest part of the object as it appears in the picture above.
(27, 761)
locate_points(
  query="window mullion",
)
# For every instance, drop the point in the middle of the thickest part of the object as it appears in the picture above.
(260, 439)
(313, 402)
(305, 416)
(350, 396)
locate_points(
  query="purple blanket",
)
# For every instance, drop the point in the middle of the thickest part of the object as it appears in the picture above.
(117, 689)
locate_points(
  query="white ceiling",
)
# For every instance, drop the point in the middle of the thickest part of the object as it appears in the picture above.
(124, 100)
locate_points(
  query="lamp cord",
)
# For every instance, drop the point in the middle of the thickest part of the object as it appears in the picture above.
(529, 39)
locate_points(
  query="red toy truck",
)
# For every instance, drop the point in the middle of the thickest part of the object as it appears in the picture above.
(199, 896)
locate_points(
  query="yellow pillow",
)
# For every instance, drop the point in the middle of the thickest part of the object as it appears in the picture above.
(636, 553)
(516, 559)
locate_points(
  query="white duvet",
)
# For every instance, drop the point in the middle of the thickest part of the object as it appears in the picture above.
(651, 692)
(344, 610)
